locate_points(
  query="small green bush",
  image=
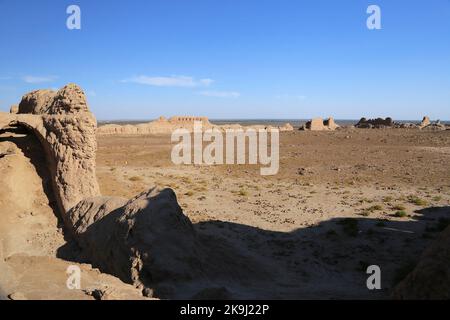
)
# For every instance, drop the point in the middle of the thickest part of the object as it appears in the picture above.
(417, 201)
(399, 207)
(400, 214)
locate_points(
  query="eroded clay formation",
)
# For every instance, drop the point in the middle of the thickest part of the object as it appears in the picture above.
(66, 129)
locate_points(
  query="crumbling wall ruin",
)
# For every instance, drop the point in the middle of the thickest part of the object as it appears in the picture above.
(66, 129)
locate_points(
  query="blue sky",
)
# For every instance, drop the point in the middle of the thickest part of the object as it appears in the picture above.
(233, 58)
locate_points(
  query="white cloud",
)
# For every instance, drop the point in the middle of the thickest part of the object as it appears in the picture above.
(220, 94)
(39, 79)
(172, 81)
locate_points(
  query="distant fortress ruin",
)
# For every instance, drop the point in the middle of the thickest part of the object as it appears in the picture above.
(186, 119)
(167, 126)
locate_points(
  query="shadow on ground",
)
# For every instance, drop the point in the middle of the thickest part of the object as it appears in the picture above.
(329, 260)
(325, 261)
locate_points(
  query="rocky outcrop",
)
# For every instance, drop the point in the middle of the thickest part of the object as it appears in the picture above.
(147, 239)
(148, 242)
(430, 279)
(66, 129)
(378, 123)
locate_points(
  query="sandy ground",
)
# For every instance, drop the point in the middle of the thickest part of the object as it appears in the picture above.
(295, 222)
(341, 201)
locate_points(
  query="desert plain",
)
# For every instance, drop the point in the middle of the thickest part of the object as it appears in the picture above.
(341, 201)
